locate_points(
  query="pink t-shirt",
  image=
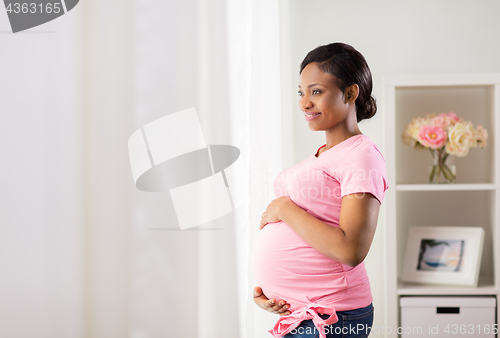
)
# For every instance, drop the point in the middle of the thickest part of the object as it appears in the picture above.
(288, 268)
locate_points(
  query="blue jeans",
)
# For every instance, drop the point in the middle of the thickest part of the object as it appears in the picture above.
(352, 324)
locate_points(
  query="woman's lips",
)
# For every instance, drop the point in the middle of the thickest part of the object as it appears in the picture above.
(312, 116)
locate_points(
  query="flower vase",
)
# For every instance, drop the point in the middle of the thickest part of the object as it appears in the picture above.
(440, 171)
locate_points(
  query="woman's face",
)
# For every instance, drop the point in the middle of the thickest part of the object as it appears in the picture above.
(321, 100)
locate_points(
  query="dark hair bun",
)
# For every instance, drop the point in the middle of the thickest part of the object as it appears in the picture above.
(367, 110)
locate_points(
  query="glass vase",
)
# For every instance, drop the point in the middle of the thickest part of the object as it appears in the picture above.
(441, 172)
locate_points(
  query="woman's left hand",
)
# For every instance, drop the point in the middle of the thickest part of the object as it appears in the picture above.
(273, 211)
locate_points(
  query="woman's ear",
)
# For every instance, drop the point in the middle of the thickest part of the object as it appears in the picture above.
(352, 93)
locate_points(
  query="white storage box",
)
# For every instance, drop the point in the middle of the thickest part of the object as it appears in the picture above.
(448, 317)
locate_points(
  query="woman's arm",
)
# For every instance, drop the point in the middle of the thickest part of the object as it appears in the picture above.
(348, 244)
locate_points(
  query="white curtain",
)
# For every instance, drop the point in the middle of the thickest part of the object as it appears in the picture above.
(41, 180)
(146, 278)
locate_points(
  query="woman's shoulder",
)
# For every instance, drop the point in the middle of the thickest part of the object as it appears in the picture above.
(358, 154)
(362, 154)
(363, 169)
(363, 147)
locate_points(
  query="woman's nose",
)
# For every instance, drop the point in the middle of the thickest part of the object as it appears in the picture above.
(305, 103)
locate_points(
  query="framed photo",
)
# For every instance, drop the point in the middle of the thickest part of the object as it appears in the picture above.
(443, 255)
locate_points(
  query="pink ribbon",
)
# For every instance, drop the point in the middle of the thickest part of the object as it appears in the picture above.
(287, 323)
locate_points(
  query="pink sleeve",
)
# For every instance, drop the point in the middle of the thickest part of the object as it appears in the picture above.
(363, 170)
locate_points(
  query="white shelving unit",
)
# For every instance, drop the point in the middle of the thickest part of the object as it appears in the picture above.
(411, 200)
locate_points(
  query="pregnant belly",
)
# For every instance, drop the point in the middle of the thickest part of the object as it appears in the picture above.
(288, 268)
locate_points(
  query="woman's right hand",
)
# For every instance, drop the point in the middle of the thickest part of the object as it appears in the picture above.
(270, 305)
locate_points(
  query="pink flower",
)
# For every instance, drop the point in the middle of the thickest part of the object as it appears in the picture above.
(442, 120)
(433, 137)
(453, 117)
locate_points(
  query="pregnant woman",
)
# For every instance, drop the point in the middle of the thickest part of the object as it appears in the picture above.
(316, 234)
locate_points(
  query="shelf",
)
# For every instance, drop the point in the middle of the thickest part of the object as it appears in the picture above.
(471, 103)
(411, 201)
(445, 187)
(485, 287)
(452, 80)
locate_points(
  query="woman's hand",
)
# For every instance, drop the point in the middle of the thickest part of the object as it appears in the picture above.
(274, 209)
(270, 305)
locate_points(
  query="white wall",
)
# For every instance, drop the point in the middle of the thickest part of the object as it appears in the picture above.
(396, 37)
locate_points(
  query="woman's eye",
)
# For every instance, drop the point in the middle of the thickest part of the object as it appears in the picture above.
(315, 92)
(300, 93)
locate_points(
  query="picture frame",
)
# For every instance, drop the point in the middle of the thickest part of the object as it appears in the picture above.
(443, 255)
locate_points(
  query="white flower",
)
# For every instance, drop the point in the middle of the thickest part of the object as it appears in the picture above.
(480, 136)
(412, 130)
(460, 139)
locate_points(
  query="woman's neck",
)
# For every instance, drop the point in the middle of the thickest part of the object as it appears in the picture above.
(334, 137)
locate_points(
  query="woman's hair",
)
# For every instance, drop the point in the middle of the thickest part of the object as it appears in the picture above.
(349, 67)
